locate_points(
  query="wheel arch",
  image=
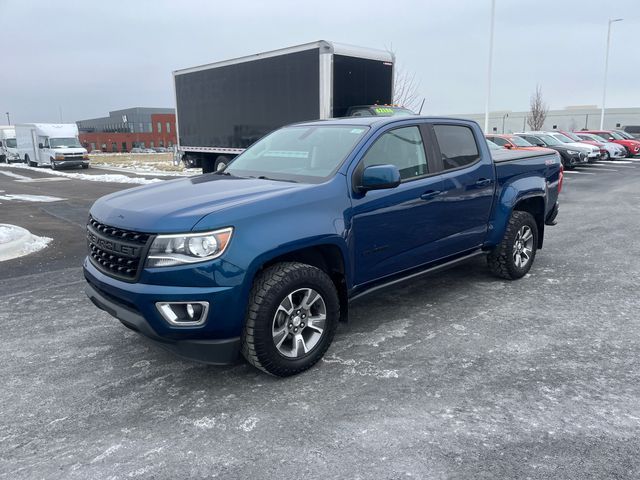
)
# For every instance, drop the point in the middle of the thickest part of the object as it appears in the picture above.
(535, 205)
(329, 257)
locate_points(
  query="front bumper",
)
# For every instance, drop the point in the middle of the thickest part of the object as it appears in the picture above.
(216, 341)
(217, 352)
(71, 163)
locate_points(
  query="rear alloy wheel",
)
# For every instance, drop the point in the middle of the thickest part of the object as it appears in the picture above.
(513, 257)
(291, 319)
(606, 156)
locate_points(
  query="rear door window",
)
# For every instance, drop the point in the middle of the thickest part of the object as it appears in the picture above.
(457, 145)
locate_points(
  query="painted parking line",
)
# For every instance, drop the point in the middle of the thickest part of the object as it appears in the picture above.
(576, 172)
(621, 162)
(615, 165)
(605, 169)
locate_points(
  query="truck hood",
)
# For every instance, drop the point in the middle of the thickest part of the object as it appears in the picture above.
(177, 205)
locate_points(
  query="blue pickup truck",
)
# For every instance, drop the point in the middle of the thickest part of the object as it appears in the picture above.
(262, 258)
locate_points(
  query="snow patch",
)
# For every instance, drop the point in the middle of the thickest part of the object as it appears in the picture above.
(107, 178)
(249, 424)
(363, 368)
(31, 198)
(17, 242)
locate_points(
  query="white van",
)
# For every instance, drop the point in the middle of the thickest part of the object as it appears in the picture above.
(8, 150)
(56, 145)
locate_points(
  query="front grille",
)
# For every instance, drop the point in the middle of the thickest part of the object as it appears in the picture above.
(117, 252)
(73, 156)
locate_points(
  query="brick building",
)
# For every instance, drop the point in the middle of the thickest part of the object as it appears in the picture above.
(125, 129)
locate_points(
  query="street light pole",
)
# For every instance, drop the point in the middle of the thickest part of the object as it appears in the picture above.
(606, 68)
(8, 118)
(486, 107)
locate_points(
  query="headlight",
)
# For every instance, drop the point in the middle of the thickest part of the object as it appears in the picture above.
(59, 156)
(85, 156)
(170, 250)
(573, 152)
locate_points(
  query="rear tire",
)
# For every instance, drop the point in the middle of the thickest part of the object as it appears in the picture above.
(85, 166)
(275, 338)
(513, 257)
(3, 159)
(28, 161)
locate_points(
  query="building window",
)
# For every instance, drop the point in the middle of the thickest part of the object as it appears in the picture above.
(93, 146)
(114, 147)
(168, 129)
(170, 144)
(159, 125)
(140, 127)
(124, 146)
(161, 143)
(151, 144)
(149, 127)
(103, 147)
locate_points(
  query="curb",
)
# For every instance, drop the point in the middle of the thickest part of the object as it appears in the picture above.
(11, 248)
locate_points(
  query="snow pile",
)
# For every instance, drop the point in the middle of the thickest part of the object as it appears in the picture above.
(108, 178)
(149, 169)
(17, 242)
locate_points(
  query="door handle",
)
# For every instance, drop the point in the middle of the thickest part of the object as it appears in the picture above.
(483, 182)
(429, 194)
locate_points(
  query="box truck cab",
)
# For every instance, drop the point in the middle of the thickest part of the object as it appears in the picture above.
(8, 150)
(55, 145)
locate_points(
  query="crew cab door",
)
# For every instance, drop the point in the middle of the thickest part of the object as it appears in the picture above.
(468, 185)
(395, 229)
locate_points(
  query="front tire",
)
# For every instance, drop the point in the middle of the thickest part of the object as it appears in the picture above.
(53, 164)
(513, 257)
(291, 319)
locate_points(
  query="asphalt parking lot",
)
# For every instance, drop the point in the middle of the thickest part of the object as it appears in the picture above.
(458, 375)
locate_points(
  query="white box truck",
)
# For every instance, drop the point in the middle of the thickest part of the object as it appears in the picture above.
(8, 150)
(223, 107)
(56, 145)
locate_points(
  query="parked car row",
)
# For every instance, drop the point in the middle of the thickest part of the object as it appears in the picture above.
(574, 147)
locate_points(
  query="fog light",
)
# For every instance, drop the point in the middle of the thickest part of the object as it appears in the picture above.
(184, 314)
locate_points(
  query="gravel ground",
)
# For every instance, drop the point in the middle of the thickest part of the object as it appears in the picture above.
(458, 375)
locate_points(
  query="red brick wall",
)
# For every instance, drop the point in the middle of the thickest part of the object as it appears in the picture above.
(163, 137)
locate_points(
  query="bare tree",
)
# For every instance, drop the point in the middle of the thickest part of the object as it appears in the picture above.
(405, 87)
(538, 112)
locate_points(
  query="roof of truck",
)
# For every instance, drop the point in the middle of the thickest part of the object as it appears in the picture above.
(325, 45)
(378, 120)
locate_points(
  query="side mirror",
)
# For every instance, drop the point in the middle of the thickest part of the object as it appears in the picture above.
(379, 177)
(540, 145)
(508, 145)
(40, 145)
(0, 144)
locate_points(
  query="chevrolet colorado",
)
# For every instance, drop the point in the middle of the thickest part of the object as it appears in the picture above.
(263, 257)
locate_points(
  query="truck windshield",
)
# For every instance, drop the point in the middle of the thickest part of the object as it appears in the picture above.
(71, 142)
(308, 154)
(11, 142)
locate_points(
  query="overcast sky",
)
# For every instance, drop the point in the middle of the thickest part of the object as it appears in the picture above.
(87, 57)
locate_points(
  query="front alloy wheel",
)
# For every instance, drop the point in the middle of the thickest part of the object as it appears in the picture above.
(299, 323)
(291, 319)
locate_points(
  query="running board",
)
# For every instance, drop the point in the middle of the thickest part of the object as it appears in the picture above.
(427, 271)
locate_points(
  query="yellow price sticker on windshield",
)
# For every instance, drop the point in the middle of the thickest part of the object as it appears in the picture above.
(383, 110)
